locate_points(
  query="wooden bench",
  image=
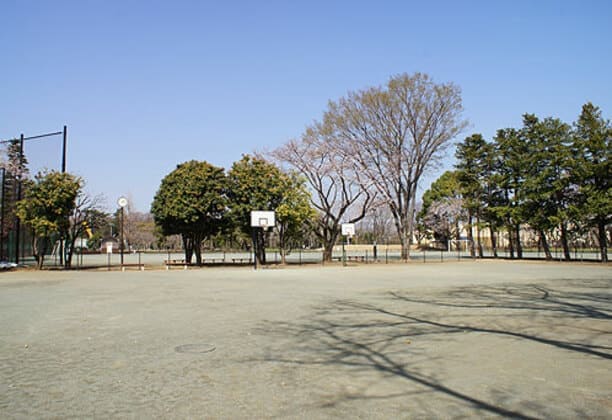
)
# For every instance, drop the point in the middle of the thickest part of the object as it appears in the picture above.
(139, 266)
(171, 263)
(360, 258)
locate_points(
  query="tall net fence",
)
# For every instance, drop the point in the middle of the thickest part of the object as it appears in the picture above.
(21, 158)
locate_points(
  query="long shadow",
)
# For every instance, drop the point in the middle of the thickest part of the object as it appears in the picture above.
(534, 297)
(365, 336)
(359, 346)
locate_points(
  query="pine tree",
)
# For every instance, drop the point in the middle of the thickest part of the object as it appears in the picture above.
(511, 153)
(471, 172)
(592, 172)
(547, 188)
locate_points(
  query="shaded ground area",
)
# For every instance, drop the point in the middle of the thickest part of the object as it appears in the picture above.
(485, 339)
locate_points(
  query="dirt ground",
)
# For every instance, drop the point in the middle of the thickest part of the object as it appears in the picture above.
(450, 340)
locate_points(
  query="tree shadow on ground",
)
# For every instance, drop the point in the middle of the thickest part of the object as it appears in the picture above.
(365, 337)
(565, 306)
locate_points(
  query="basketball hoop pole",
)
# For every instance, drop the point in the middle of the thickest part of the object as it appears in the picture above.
(343, 251)
(254, 235)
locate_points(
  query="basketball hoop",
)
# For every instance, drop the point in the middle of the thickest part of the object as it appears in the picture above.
(262, 219)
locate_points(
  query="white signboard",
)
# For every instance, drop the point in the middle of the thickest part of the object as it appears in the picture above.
(109, 248)
(348, 229)
(262, 219)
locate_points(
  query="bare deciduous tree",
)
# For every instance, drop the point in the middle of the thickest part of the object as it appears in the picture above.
(338, 192)
(392, 135)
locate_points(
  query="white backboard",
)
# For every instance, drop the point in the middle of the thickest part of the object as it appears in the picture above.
(262, 219)
(348, 229)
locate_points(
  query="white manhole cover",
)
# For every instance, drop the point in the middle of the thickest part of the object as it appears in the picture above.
(195, 348)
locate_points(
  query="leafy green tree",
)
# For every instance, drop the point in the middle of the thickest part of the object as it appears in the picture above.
(191, 202)
(592, 172)
(547, 189)
(255, 184)
(294, 214)
(472, 169)
(46, 208)
(511, 152)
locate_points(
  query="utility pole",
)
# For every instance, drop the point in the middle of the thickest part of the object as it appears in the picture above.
(2, 215)
(17, 222)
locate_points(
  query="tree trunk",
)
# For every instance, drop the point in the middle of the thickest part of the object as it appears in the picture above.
(261, 246)
(410, 222)
(470, 234)
(603, 240)
(40, 247)
(197, 249)
(405, 244)
(519, 248)
(478, 239)
(510, 241)
(282, 244)
(328, 237)
(545, 246)
(328, 250)
(564, 242)
(493, 240)
(188, 246)
(68, 262)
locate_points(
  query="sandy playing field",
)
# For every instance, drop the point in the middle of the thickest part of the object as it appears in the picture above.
(453, 340)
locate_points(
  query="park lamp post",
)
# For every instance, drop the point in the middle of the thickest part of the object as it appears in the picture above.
(122, 202)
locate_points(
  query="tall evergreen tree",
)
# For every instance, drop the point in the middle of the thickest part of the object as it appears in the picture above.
(592, 172)
(471, 171)
(511, 153)
(547, 188)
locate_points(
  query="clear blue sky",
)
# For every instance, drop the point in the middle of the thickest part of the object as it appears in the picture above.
(145, 85)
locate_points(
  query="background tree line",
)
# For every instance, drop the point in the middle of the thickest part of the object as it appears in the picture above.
(547, 177)
(362, 161)
(52, 213)
(365, 157)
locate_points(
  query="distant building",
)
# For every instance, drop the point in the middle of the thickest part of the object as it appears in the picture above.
(109, 241)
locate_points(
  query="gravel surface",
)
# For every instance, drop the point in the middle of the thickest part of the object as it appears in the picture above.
(452, 340)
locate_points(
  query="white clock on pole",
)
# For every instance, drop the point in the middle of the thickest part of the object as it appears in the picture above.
(122, 202)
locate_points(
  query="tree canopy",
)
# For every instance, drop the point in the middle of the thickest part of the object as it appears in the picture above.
(47, 206)
(393, 135)
(191, 202)
(255, 184)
